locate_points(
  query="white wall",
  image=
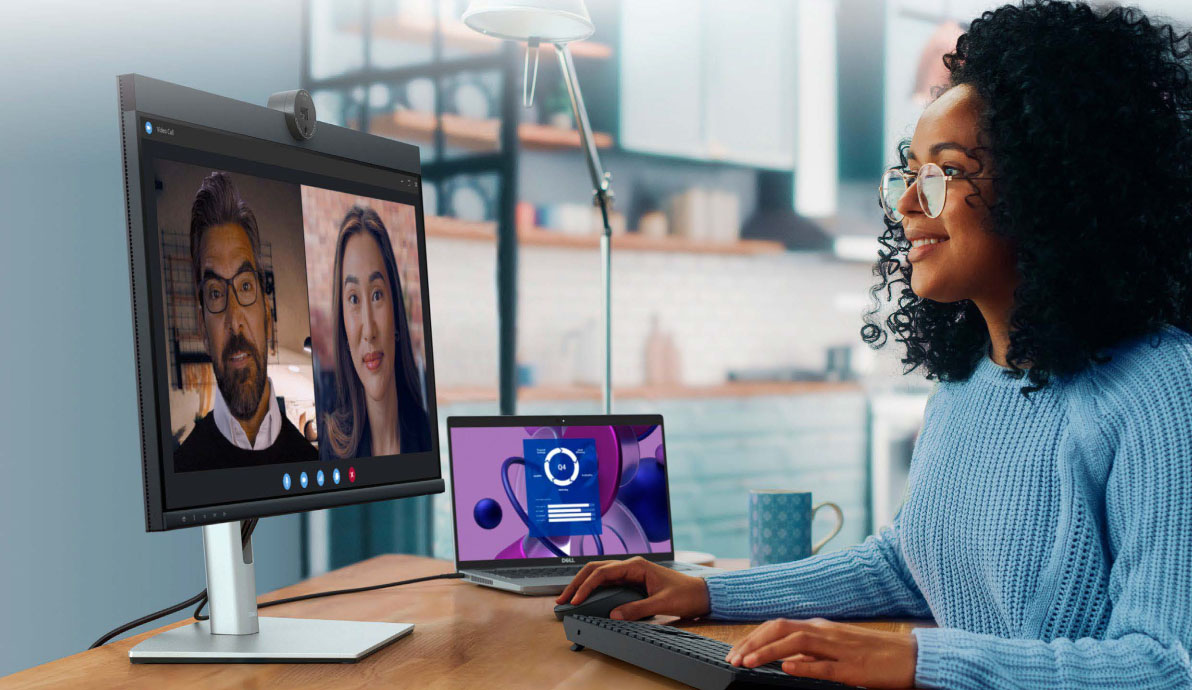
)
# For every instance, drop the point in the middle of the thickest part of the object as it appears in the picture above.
(76, 560)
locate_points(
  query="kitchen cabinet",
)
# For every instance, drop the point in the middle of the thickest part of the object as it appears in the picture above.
(742, 94)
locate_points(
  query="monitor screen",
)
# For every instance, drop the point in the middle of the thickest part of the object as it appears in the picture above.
(542, 492)
(293, 353)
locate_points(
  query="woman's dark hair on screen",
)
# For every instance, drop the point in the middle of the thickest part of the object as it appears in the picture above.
(1087, 117)
(346, 432)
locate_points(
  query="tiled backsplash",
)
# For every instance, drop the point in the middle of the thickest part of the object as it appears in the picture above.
(724, 311)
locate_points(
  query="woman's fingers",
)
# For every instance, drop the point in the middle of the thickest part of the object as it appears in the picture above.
(578, 580)
(807, 642)
(764, 634)
(791, 637)
(824, 670)
(636, 610)
(614, 571)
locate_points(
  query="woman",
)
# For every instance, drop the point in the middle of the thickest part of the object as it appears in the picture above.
(379, 408)
(1042, 262)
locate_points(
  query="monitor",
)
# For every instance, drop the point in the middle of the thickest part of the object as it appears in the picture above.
(551, 490)
(281, 327)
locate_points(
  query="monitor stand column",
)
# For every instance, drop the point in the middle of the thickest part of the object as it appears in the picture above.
(234, 634)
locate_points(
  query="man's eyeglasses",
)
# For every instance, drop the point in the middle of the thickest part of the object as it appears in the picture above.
(932, 188)
(213, 291)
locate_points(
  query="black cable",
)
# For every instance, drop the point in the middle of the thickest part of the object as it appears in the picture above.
(335, 592)
(246, 530)
(151, 617)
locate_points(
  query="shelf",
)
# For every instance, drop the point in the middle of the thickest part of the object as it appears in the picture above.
(452, 228)
(420, 28)
(469, 133)
(471, 394)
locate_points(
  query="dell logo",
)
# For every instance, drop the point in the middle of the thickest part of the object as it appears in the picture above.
(567, 560)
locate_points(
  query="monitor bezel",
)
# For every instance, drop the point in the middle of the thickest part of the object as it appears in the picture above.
(139, 96)
(468, 421)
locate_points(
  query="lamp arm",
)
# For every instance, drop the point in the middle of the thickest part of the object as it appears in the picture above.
(604, 198)
(600, 179)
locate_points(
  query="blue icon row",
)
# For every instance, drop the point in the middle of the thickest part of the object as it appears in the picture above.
(304, 481)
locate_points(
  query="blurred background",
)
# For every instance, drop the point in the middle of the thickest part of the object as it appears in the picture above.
(745, 139)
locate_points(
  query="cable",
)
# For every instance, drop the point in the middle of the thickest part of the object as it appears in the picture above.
(151, 617)
(335, 592)
(246, 530)
(200, 600)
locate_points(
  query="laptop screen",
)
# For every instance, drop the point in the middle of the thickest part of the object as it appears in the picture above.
(578, 492)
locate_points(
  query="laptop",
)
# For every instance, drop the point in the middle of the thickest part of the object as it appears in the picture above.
(535, 498)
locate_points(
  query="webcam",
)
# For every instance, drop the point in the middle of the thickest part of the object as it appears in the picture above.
(299, 109)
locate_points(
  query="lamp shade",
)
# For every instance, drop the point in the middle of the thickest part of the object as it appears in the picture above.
(549, 21)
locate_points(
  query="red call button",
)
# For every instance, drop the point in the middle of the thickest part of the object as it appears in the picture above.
(351, 474)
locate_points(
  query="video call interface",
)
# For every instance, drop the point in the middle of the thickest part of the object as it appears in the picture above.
(565, 491)
(294, 325)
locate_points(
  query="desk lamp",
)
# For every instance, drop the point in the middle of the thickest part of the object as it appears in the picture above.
(558, 22)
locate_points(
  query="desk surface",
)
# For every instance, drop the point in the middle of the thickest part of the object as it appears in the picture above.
(465, 636)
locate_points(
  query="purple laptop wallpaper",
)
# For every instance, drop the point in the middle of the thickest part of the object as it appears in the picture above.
(551, 492)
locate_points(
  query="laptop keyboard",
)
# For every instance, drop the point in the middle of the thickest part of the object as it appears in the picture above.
(528, 573)
(562, 571)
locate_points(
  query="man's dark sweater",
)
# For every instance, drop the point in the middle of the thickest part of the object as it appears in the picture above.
(207, 449)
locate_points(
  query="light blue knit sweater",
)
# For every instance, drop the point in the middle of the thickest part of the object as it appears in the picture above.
(1050, 538)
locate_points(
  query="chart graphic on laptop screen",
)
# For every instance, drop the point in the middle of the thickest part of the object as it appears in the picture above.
(547, 492)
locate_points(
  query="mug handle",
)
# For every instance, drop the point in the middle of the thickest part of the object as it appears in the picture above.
(836, 530)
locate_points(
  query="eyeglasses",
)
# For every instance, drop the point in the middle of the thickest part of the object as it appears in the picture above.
(213, 292)
(932, 188)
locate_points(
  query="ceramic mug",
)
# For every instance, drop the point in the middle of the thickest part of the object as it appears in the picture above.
(780, 526)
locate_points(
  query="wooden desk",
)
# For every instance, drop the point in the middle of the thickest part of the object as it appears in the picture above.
(466, 636)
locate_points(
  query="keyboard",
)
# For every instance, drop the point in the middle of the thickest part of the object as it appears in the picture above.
(562, 571)
(527, 573)
(692, 659)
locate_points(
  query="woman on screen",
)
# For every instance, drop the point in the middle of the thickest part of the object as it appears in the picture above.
(379, 409)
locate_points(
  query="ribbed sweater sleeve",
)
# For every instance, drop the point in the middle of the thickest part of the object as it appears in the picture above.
(870, 579)
(1148, 509)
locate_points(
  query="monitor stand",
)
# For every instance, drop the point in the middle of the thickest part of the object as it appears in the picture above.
(234, 634)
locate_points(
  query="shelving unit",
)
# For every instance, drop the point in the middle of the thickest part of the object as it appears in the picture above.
(418, 27)
(452, 228)
(474, 134)
(472, 394)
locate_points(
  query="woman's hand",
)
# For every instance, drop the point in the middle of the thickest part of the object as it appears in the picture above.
(670, 592)
(839, 652)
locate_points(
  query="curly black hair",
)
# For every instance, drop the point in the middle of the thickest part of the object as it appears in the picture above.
(1087, 116)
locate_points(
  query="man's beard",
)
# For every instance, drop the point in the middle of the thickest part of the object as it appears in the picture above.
(241, 389)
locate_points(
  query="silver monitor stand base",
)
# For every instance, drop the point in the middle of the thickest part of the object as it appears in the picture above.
(234, 633)
(280, 640)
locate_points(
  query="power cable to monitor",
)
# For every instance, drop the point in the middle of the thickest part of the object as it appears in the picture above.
(200, 600)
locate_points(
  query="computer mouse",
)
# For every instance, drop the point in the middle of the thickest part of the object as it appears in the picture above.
(601, 602)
